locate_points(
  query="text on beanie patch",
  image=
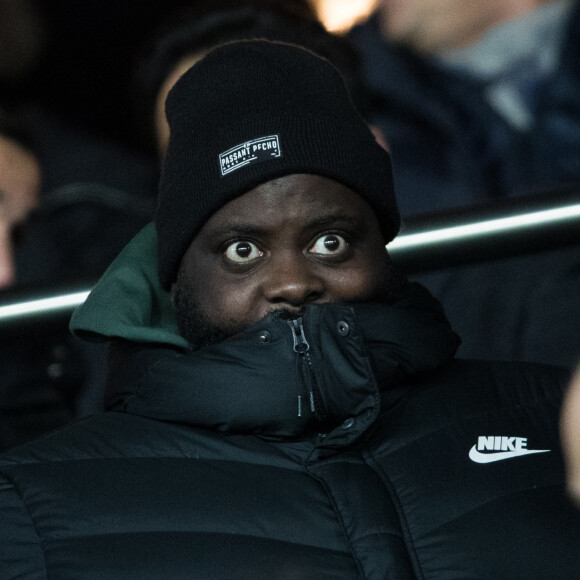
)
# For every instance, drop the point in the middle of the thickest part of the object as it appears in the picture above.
(254, 151)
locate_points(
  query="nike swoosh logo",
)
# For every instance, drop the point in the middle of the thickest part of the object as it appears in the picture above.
(478, 457)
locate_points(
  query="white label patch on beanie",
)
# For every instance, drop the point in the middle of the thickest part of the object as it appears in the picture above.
(254, 151)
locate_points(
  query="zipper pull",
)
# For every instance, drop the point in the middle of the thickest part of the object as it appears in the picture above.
(300, 343)
(301, 347)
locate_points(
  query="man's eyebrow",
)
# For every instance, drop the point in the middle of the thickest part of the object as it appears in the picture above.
(236, 230)
(335, 220)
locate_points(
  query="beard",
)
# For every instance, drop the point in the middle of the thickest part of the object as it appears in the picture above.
(198, 329)
(193, 322)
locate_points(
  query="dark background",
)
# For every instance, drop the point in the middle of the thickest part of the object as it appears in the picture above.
(82, 69)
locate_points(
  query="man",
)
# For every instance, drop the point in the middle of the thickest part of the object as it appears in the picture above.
(281, 402)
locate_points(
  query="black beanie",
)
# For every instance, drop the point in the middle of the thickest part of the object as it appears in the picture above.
(253, 111)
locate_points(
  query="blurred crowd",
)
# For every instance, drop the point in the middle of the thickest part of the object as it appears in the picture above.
(476, 101)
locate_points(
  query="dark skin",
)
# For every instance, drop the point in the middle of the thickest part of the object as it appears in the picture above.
(290, 242)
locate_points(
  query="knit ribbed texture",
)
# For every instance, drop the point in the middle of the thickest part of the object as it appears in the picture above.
(245, 91)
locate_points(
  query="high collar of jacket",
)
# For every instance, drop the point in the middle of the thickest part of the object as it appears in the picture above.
(257, 381)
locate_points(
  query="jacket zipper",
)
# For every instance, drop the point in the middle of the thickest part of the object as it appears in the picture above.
(302, 348)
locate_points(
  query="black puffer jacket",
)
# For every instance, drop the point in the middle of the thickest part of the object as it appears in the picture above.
(405, 465)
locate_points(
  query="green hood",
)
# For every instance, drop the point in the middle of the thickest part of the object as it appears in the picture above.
(138, 309)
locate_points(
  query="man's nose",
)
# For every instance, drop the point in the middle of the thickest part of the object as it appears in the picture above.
(292, 279)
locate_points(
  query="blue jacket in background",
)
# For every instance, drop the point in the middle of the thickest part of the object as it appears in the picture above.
(450, 148)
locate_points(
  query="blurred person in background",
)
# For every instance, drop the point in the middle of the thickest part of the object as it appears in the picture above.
(36, 392)
(480, 102)
(56, 200)
(61, 188)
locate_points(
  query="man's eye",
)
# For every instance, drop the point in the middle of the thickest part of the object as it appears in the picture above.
(329, 245)
(242, 252)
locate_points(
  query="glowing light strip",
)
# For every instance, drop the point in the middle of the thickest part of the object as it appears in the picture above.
(43, 305)
(493, 226)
